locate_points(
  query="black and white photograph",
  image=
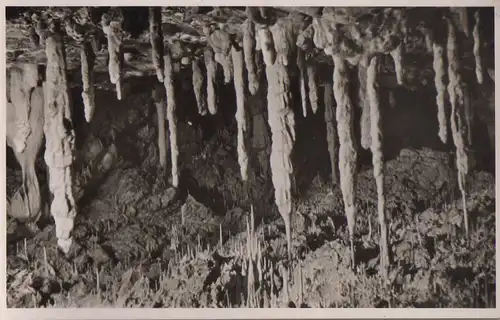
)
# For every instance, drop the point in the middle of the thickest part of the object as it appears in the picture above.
(250, 157)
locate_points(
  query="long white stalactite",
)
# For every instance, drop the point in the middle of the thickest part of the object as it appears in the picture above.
(331, 129)
(458, 121)
(171, 116)
(87, 57)
(156, 39)
(249, 44)
(365, 126)
(378, 160)
(60, 141)
(347, 150)
(477, 48)
(211, 67)
(159, 95)
(114, 33)
(439, 78)
(312, 87)
(241, 112)
(301, 63)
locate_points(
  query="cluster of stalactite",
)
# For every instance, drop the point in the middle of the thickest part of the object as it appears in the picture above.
(59, 135)
(25, 137)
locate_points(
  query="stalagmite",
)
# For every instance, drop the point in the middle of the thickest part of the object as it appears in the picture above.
(366, 138)
(439, 74)
(159, 95)
(249, 43)
(25, 205)
(347, 151)
(87, 57)
(114, 33)
(477, 49)
(171, 116)
(458, 122)
(397, 56)
(59, 135)
(198, 88)
(301, 63)
(241, 112)
(331, 129)
(211, 67)
(21, 80)
(281, 121)
(378, 161)
(156, 38)
(313, 89)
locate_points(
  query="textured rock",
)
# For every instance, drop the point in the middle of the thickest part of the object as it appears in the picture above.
(156, 39)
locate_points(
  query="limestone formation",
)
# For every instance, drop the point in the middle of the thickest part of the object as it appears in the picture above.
(159, 95)
(198, 87)
(241, 112)
(347, 149)
(439, 78)
(211, 67)
(171, 116)
(366, 139)
(220, 42)
(156, 38)
(60, 141)
(87, 56)
(378, 160)
(457, 119)
(301, 63)
(331, 129)
(477, 48)
(280, 117)
(249, 43)
(312, 87)
(114, 33)
(397, 56)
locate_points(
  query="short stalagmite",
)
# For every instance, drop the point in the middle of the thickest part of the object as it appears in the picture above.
(312, 87)
(156, 38)
(59, 146)
(211, 67)
(397, 56)
(378, 160)
(281, 121)
(87, 57)
(366, 138)
(439, 75)
(477, 48)
(198, 87)
(241, 112)
(114, 33)
(171, 116)
(301, 63)
(331, 129)
(458, 121)
(159, 95)
(249, 44)
(347, 150)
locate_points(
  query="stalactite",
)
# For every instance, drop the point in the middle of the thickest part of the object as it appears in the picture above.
(156, 38)
(220, 41)
(211, 67)
(241, 112)
(159, 95)
(397, 56)
(439, 74)
(366, 138)
(347, 151)
(477, 49)
(331, 129)
(378, 161)
(267, 45)
(87, 57)
(171, 116)
(21, 80)
(59, 135)
(458, 122)
(198, 88)
(249, 44)
(301, 63)
(281, 121)
(313, 89)
(113, 31)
